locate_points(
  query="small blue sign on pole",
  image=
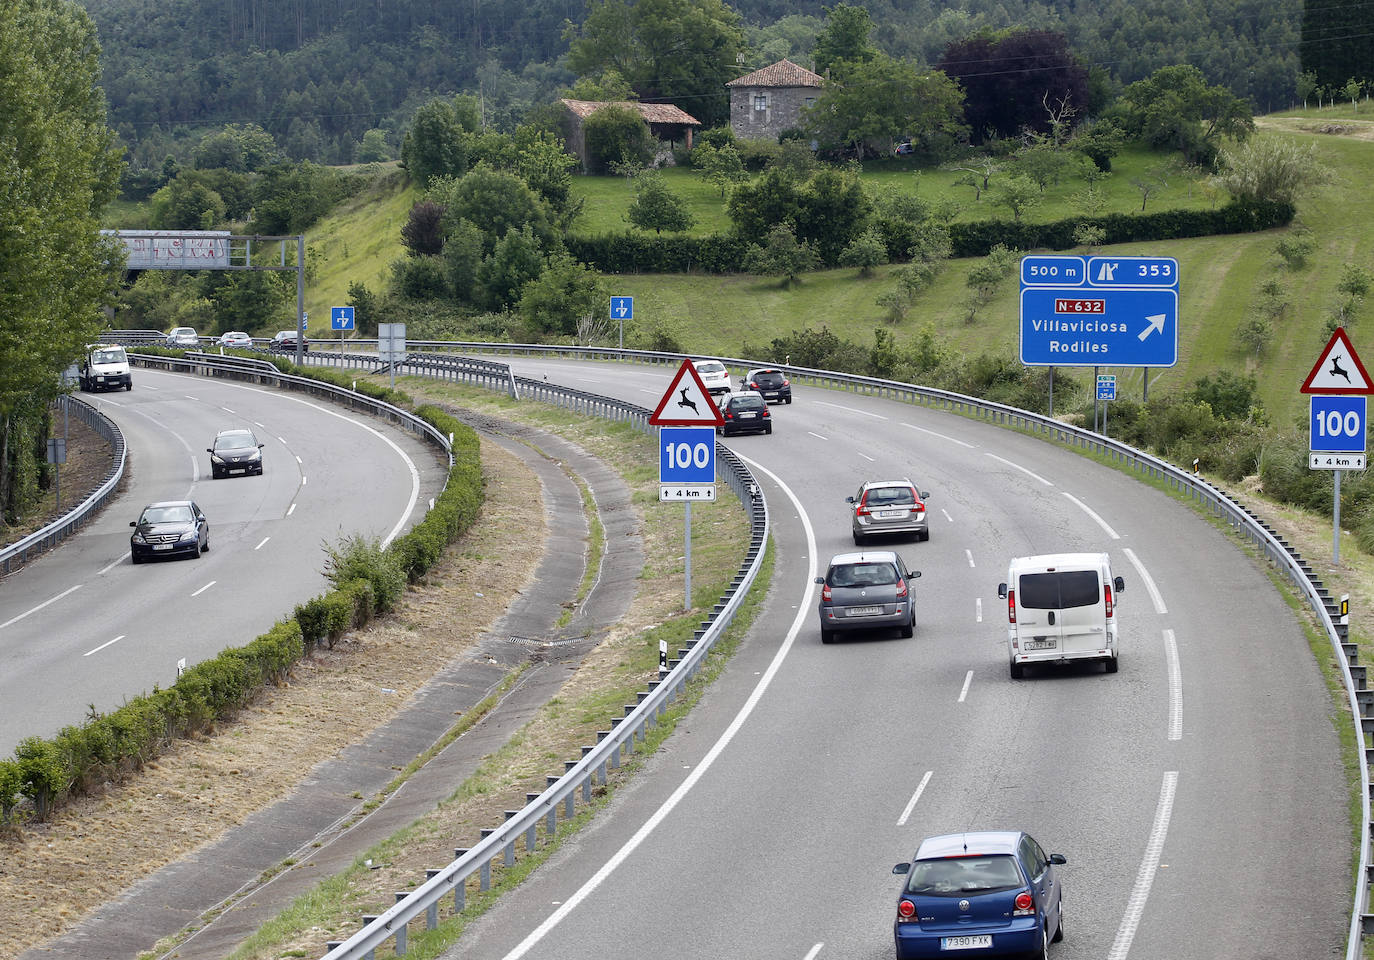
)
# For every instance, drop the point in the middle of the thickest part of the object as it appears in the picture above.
(1106, 386)
(340, 318)
(622, 308)
(686, 455)
(1338, 424)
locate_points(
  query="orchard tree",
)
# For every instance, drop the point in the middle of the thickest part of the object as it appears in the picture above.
(781, 255)
(722, 165)
(865, 251)
(657, 208)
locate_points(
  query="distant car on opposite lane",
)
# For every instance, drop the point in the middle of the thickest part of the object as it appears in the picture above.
(235, 450)
(866, 591)
(990, 893)
(285, 341)
(235, 338)
(170, 528)
(714, 375)
(888, 506)
(744, 413)
(183, 338)
(769, 382)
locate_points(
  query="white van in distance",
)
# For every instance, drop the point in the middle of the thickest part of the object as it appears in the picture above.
(1061, 607)
(105, 366)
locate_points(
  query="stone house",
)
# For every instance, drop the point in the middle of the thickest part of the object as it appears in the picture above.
(666, 122)
(768, 101)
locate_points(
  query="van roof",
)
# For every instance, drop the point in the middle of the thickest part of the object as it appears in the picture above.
(1060, 561)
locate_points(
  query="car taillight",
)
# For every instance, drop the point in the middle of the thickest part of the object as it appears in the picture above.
(825, 592)
(1025, 906)
(862, 509)
(1011, 606)
(765, 413)
(753, 385)
(786, 382)
(1107, 590)
(918, 507)
(906, 909)
(728, 415)
(901, 588)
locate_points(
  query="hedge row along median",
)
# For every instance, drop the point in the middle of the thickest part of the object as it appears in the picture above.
(49, 772)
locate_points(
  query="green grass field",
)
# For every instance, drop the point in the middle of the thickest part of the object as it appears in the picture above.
(1219, 276)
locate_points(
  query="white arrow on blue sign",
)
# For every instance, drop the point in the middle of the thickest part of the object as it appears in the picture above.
(340, 318)
(622, 308)
(686, 455)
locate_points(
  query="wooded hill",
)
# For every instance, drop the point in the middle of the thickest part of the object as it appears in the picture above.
(317, 74)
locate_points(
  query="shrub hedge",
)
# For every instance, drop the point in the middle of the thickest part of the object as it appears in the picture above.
(50, 771)
(723, 252)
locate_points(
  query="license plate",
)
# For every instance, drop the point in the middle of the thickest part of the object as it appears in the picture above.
(162, 546)
(1040, 644)
(748, 416)
(966, 943)
(863, 611)
(891, 514)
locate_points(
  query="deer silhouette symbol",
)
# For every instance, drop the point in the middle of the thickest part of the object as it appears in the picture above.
(1336, 370)
(684, 402)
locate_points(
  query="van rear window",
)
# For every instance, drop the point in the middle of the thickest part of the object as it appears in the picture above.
(1058, 591)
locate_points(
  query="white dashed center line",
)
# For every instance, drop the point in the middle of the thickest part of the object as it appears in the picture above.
(968, 679)
(911, 804)
(104, 645)
(204, 588)
(260, 545)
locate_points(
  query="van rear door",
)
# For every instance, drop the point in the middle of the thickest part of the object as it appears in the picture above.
(1060, 612)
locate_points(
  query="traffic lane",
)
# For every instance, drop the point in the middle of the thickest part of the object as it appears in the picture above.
(151, 607)
(827, 704)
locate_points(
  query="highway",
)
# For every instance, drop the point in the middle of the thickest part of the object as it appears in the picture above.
(83, 627)
(1199, 794)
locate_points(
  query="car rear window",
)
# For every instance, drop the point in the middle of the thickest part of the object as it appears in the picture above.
(884, 496)
(1059, 590)
(747, 403)
(710, 368)
(960, 876)
(863, 575)
(770, 377)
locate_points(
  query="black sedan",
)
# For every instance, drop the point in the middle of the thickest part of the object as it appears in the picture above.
(170, 528)
(235, 450)
(284, 341)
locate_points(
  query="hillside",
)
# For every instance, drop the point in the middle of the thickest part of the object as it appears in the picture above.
(1220, 277)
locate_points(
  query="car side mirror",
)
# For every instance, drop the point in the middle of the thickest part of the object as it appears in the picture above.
(820, 580)
(261, 445)
(925, 494)
(1058, 859)
(914, 574)
(902, 868)
(1119, 585)
(133, 523)
(209, 450)
(1002, 590)
(848, 499)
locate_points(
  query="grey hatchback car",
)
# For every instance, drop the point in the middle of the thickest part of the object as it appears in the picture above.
(888, 506)
(866, 591)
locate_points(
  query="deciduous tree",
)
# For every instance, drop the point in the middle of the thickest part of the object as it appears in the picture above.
(656, 207)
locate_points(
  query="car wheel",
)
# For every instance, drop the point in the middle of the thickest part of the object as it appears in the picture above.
(768, 429)
(788, 400)
(1112, 664)
(1059, 928)
(909, 630)
(923, 535)
(134, 558)
(129, 386)
(827, 636)
(1017, 670)
(858, 540)
(206, 547)
(1044, 951)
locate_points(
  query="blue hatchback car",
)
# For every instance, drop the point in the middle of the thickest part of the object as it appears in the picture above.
(985, 894)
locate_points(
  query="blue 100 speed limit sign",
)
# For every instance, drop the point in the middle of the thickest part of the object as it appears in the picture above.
(1338, 424)
(686, 455)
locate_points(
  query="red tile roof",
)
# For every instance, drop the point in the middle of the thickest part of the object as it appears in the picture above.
(784, 73)
(651, 112)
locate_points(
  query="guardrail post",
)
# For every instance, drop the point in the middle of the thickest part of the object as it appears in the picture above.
(371, 954)
(552, 826)
(432, 911)
(568, 804)
(484, 875)
(532, 834)
(509, 854)
(401, 928)
(460, 888)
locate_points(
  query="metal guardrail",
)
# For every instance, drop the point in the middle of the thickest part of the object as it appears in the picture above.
(1213, 500)
(23, 550)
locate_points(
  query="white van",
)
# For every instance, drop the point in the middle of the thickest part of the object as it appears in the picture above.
(105, 366)
(1061, 607)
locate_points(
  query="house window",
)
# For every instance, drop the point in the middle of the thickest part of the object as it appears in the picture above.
(760, 101)
(810, 102)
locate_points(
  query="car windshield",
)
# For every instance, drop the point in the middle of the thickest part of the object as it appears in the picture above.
(177, 514)
(1058, 591)
(183, 332)
(958, 876)
(863, 575)
(112, 355)
(231, 441)
(886, 496)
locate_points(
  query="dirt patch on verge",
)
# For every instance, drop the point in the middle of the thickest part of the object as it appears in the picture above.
(88, 464)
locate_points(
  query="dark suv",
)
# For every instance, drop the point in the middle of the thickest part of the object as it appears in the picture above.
(744, 413)
(769, 383)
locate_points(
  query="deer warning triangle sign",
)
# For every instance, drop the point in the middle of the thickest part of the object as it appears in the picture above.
(1339, 370)
(687, 403)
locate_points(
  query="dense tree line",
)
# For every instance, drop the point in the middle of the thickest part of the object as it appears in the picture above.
(321, 76)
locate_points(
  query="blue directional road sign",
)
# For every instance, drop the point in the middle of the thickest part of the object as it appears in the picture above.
(622, 308)
(1338, 424)
(686, 455)
(1106, 386)
(1105, 311)
(340, 318)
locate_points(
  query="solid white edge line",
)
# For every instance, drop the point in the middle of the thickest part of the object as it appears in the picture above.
(1149, 866)
(968, 679)
(811, 954)
(818, 436)
(39, 607)
(803, 610)
(204, 588)
(305, 480)
(940, 435)
(1092, 513)
(1175, 686)
(840, 406)
(104, 645)
(1155, 596)
(911, 804)
(195, 470)
(867, 457)
(969, 554)
(110, 566)
(264, 542)
(299, 460)
(1016, 466)
(978, 610)
(291, 509)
